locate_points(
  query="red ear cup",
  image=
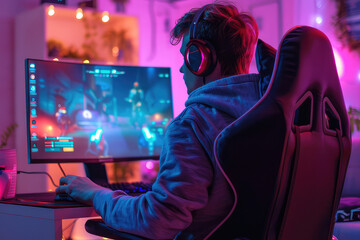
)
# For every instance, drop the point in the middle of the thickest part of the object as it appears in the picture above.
(199, 57)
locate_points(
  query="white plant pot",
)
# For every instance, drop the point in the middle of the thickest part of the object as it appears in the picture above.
(8, 175)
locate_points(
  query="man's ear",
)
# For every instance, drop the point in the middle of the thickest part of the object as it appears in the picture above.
(265, 59)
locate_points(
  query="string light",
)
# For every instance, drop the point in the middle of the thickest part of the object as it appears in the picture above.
(79, 13)
(55, 59)
(86, 61)
(318, 12)
(318, 19)
(51, 10)
(105, 17)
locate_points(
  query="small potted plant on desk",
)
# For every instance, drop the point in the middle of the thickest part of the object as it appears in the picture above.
(7, 165)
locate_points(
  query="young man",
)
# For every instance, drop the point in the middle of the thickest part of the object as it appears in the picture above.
(190, 197)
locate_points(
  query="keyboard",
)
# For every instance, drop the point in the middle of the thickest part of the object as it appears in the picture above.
(133, 187)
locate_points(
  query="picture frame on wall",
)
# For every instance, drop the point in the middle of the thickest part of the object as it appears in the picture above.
(268, 15)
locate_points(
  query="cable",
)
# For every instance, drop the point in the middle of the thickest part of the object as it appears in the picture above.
(62, 170)
(52, 181)
(65, 228)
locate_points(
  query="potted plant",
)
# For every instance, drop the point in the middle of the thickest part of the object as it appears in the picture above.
(7, 165)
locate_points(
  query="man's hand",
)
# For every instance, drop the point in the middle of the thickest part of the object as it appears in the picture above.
(81, 189)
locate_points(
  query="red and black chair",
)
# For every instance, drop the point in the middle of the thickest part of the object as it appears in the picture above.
(286, 158)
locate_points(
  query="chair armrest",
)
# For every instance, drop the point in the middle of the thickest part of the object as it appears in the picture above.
(99, 228)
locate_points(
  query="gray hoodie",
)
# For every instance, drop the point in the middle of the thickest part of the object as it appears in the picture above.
(190, 197)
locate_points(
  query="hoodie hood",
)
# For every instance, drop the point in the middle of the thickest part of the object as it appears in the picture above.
(229, 95)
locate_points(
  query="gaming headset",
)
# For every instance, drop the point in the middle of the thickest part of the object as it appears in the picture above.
(200, 57)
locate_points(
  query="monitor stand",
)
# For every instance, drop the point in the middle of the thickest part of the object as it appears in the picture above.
(96, 172)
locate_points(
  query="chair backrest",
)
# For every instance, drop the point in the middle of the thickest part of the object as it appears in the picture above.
(286, 158)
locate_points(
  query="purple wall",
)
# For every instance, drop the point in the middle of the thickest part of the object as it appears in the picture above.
(320, 14)
(6, 66)
(155, 50)
(8, 11)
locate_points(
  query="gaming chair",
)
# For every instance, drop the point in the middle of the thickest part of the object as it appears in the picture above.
(291, 150)
(286, 158)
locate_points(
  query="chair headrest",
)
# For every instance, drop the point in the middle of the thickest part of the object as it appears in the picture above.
(305, 64)
(265, 59)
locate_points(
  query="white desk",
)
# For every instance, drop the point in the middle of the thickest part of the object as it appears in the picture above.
(347, 230)
(18, 222)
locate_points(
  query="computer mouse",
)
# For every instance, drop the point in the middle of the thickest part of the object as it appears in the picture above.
(63, 197)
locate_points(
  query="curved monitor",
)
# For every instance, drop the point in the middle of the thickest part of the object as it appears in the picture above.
(95, 113)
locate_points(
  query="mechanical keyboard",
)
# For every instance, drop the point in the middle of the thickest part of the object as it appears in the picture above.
(130, 187)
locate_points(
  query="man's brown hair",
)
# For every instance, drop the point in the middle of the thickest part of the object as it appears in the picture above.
(233, 35)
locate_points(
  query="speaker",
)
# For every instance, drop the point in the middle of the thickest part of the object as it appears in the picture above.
(200, 57)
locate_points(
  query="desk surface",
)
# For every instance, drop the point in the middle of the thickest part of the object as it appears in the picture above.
(45, 200)
(43, 205)
(33, 215)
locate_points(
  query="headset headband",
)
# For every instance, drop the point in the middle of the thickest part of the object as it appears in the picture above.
(195, 21)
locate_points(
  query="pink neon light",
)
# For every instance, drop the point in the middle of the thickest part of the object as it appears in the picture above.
(339, 63)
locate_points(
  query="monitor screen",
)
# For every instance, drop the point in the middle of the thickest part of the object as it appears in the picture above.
(96, 113)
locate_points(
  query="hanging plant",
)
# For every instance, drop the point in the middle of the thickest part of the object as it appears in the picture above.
(343, 26)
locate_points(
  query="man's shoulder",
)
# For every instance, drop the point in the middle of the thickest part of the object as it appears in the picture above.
(197, 114)
(187, 114)
(250, 77)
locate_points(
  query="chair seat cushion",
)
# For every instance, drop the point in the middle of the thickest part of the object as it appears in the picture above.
(99, 228)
